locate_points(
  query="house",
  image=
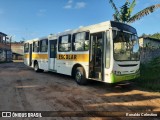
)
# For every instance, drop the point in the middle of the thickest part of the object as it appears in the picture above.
(17, 50)
(150, 49)
(5, 48)
(150, 43)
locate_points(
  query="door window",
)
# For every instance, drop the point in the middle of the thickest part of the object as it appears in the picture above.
(53, 48)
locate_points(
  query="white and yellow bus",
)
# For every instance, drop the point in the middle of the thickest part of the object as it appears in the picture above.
(107, 52)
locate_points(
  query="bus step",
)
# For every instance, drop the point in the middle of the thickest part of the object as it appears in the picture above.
(98, 75)
(97, 69)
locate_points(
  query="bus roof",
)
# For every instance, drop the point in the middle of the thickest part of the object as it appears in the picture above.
(101, 26)
(92, 28)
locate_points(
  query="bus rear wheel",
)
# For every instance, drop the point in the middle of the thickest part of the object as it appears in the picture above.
(80, 77)
(36, 68)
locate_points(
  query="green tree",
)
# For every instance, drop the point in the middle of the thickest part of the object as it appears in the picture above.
(124, 14)
(155, 35)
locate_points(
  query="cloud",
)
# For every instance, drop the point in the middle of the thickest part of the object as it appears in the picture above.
(80, 26)
(70, 1)
(74, 5)
(41, 12)
(69, 4)
(80, 5)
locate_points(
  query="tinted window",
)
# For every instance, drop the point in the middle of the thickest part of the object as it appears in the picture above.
(81, 41)
(107, 49)
(44, 45)
(36, 46)
(125, 45)
(64, 43)
(26, 47)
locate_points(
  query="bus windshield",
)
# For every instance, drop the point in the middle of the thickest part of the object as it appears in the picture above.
(125, 45)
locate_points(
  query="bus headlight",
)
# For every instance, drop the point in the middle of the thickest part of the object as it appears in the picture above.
(117, 72)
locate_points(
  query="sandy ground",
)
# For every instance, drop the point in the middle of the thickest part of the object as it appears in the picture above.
(22, 89)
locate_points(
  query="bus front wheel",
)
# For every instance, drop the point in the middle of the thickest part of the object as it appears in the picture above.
(80, 77)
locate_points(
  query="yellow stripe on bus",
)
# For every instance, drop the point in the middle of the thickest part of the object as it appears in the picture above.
(68, 57)
(26, 55)
(74, 57)
(37, 56)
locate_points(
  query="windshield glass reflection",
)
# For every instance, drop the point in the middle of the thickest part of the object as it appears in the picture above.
(126, 46)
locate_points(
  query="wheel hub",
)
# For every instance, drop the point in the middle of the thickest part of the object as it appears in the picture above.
(78, 76)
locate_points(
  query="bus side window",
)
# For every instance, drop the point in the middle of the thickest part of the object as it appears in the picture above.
(26, 47)
(64, 43)
(44, 45)
(87, 41)
(107, 49)
(80, 41)
(36, 46)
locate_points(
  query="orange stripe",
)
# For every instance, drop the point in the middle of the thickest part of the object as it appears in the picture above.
(67, 57)
(26, 55)
(74, 57)
(37, 56)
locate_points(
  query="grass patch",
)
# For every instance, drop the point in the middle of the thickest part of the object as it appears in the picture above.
(150, 75)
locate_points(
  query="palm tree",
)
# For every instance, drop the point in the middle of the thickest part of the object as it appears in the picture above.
(124, 15)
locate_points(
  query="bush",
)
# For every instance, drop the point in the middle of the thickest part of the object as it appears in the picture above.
(150, 75)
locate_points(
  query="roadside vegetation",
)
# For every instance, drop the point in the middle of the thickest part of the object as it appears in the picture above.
(124, 14)
(155, 35)
(150, 75)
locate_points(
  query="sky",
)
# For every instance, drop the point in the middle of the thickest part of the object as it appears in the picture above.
(28, 19)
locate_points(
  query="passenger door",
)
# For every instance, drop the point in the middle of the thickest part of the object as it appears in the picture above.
(30, 54)
(52, 54)
(96, 56)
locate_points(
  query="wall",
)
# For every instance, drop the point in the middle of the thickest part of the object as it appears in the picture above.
(149, 43)
(5, 51)
(150, 49)
(18, 51)
(149, 54)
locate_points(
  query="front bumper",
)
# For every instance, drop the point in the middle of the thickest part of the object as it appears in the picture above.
(118, 78)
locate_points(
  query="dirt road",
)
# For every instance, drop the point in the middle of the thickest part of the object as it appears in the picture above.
(21, 89)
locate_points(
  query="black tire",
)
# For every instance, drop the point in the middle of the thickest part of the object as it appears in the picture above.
(80, 76)
(36, 68)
